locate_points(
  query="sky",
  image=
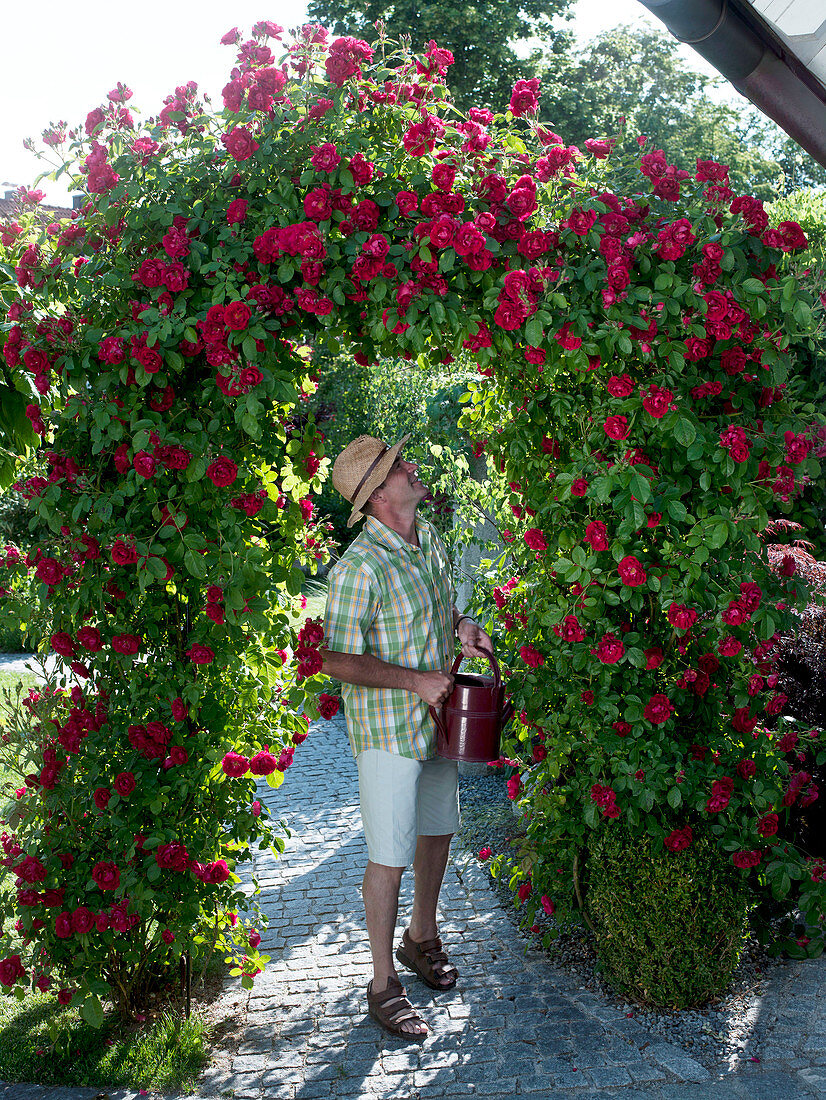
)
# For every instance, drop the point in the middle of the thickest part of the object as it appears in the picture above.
(60, 60)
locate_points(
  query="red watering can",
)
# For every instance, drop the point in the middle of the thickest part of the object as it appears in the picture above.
(470, 721)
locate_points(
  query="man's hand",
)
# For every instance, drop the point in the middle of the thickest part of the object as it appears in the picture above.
(475, 642)
(434, 687)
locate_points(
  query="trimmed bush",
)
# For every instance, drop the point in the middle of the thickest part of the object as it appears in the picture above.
(669, 926)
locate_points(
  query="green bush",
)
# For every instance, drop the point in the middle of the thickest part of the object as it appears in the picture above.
(669, 926)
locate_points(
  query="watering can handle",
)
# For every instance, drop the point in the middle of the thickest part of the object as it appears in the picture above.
(494, 664)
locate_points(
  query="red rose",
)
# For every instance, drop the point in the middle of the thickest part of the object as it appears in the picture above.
(101, 797)
(144, 464)
(222, 472)
(172, 856)
(64, 996)
(610, 649)
(123, 552)
(616, 427)
(596, 534)
(124, 783)
(631, 572)
(767, 825)
(179, 709)
(235, 765)
(532, 657)
(658, 709)
(579, 487)
(11, 969)
(328, 705)
(535, 539)
(263, 763)
(236, 211)
(89, 637)
(83, 920)
(168, 936)
(49, 571)
(682, 617)
(621, 385)
(744, 860)
(200, 654)
(679, 839)
(106, 875)
(128, 644)
(237, 316)
(63, 644)
(653, 657)
(240, 143)
(729, 646)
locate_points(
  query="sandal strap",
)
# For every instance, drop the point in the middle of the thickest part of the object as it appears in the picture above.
(393, 1005)
(435, 954)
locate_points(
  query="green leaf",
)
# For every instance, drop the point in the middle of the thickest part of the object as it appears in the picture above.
(195, 565)
(640, 487)
(684, 431)
(674, 798)
(92, 1011)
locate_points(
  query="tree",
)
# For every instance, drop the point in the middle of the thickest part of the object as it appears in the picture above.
(633, 81)
(482, 37)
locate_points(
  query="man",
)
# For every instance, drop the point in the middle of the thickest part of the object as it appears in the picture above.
(389, 627)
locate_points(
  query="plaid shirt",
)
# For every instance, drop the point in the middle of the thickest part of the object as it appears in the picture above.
(394, 601)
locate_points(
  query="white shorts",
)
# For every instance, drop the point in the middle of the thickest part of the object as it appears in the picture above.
(402, 799)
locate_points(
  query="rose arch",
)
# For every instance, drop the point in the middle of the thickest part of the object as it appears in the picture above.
(638, 335)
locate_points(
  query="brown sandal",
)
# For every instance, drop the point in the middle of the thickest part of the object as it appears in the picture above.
(391, 1009)
(428, 960)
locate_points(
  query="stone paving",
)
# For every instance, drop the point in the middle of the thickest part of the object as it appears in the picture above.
(515, 1025)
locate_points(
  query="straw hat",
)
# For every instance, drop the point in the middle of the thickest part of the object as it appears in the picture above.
(361, 467)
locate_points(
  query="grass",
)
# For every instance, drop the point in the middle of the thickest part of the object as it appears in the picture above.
(165, 1053)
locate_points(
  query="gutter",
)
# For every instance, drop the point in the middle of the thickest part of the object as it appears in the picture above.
(733, 38)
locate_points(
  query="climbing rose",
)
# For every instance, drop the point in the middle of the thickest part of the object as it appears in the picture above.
(263, 763)
(129, 644)
(679, 839)
(201, 655)
(596, 534)
(235, 765)
(240, 143)
(682, 617)
(11, 969)
(535, 539)
(106, 875)
(610, 649)
(616, 427)
(328, 705)
(744, 860)
(124, 783)
(631, 572)
(484, 854)
(767, 825)
(658, 709)
(222, 472)
(531, 656)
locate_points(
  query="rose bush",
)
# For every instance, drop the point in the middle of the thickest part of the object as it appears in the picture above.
(337, 196)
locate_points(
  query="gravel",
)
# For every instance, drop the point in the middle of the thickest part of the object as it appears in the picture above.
(719, 1035)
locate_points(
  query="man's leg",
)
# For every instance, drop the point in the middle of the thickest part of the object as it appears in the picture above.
(429, 868)
(380, 890)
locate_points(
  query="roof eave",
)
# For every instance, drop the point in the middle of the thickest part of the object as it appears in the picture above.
(745, 52)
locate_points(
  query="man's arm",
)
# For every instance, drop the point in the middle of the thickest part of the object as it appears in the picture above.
(368, 671)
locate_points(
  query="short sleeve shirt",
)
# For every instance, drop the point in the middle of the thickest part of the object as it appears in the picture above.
(394, 601)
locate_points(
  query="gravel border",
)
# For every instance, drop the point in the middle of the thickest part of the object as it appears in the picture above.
(719, 1035)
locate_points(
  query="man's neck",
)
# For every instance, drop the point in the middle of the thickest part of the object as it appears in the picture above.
(403, 524)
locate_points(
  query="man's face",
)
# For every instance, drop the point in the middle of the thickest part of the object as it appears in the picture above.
(402, 486)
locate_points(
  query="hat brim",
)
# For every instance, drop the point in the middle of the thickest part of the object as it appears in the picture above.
(375, 479)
